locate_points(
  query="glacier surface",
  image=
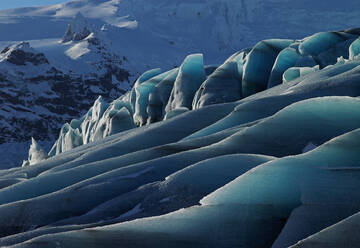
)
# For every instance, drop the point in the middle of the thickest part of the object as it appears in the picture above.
(266, 145)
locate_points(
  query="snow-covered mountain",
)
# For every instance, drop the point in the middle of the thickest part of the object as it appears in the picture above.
(48, 82)
(226, 24)
(260, 151)
(112, 42)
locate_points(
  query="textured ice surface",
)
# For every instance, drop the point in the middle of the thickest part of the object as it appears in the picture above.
(159, 97)
(144, 77)
(331, 116)
(100, 121)
(259, 63)
(242, 210)
(343, 234)
(354, 49)
(36, 154)
(130, 27)
(224, 84)
(321, 42)
(287, 58)
(177, 190)
(116, 118)
(214, 168)
(269, 102)
(175, 112)
(296, 72)
(330, 56)
(191, 76)
(143, 94)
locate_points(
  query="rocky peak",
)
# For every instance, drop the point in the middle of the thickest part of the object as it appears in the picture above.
(21, 53)
(77, 30)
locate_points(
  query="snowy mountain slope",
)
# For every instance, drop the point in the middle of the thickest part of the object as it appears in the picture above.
(177, 25)
(47, 82)
(280, 164)
(230, 24)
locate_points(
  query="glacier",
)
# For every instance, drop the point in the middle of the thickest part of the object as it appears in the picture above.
(160, 95)
(261, 150)
(107, 45)
(36, 154)
(191, 75)
(329, 236)
(224, 84)
(261, 57)
(271, 202)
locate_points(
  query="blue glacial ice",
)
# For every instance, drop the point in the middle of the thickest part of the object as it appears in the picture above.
(191, 76)
(354, 49)
(320, 42)
(345, 233)
(204, 156)
(144, 77)
(266, 103)
(287, 58)
(330, 56)
(159, 97)
(331, 116)
(296, 72)
(100, 121)
(224, 84)
(142, 93)
(259, 63)
(243, 210)
(178, 190)
(175, 112)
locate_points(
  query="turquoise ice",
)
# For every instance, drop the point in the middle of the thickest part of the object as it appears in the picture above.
(259, 63)
(191, 76)
(224, 84)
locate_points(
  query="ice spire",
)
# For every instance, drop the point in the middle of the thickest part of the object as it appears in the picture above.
(36, 154)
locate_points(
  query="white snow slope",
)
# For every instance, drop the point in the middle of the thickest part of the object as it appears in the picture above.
(163, 31)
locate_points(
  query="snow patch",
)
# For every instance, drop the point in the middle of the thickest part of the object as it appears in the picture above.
(78, 50)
